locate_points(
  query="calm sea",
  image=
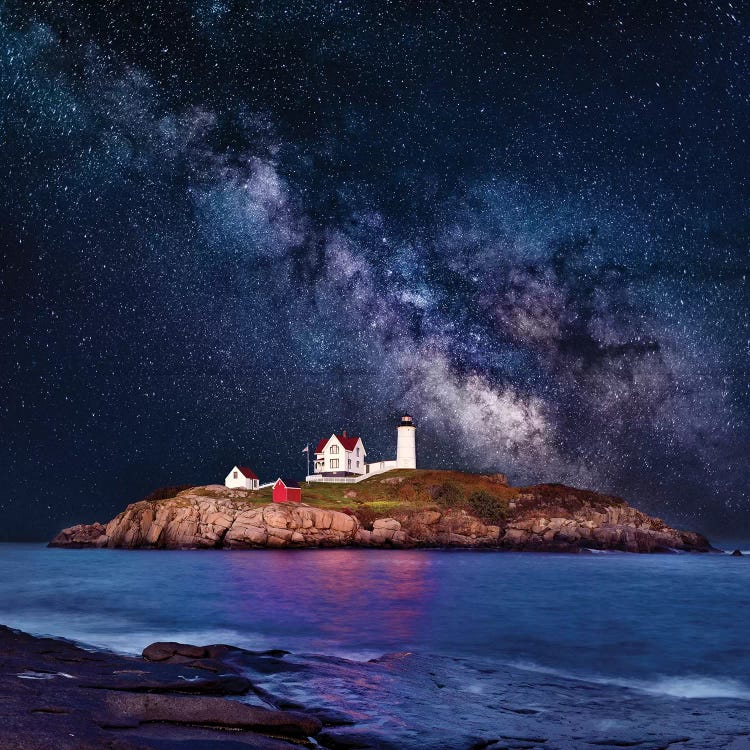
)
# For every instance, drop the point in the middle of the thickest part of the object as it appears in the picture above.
(674, 626)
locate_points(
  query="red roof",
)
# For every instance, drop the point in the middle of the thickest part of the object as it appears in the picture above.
(287, 484)
(249, 473)
(349, 443)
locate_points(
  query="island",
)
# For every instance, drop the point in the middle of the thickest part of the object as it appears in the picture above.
(400, 509)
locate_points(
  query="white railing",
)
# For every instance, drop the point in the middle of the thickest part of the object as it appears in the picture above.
(267, 484)
(379, 467)
(335, 480)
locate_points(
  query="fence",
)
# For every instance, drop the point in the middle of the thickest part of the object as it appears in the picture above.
(372, 469)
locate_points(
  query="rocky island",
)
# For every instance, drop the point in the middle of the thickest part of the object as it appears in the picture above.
(404, 509)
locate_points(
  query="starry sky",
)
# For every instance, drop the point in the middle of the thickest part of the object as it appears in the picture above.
(229, 228)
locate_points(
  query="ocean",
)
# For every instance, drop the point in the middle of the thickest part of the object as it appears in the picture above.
(558, 650)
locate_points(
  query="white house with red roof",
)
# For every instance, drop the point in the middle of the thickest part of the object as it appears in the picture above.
(340, 456)
(242, 477)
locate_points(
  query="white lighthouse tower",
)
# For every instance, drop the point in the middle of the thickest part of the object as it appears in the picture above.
(406, 444)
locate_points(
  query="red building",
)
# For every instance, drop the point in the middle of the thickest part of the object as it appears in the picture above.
(286, 492)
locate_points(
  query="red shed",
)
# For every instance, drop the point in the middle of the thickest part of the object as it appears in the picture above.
(286, 492)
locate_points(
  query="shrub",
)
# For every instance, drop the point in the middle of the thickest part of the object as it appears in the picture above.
(486, 507)
(447, 495)
(407, 493)
(365, 515)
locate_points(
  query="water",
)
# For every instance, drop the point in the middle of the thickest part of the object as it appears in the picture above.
(673, 627)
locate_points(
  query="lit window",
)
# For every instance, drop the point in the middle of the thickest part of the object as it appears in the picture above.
(334, 463)
(334, 449)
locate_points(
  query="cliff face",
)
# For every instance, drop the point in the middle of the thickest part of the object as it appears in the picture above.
(545, 518)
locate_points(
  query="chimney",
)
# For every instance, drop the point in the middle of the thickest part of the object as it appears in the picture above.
(343, 434)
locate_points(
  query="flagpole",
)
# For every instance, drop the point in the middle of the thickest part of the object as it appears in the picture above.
(307, 451)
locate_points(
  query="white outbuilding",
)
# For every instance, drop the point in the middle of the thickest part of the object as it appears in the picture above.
(242, 477)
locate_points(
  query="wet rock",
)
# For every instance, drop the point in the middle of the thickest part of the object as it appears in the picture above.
(737, 553)
(229, 684)
(163, 650)
(84, 700)
(215, 712)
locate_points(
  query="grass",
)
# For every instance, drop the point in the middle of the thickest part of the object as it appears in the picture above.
(401, 491)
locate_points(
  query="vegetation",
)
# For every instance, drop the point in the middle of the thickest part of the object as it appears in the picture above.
(447, 495)
(402, 491)
(365, 515)
(164, 493)
(487, 507)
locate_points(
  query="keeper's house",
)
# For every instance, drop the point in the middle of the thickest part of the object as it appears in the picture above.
(340, 456)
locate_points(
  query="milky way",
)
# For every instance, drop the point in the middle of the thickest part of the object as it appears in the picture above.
(231, 228)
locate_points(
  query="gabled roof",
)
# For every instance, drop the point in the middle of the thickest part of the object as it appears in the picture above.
(247, 472)
(348, 442)
(293, 485)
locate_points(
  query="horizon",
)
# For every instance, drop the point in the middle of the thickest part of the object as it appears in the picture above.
(226, 230)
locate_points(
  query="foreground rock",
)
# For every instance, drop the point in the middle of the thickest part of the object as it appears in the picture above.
(546, 518)
(56, 695)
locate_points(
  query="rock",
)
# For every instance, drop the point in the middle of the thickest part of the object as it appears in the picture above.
(391, 524)
(82, 535)
(163, 650)
(220, 684)
(516, 536)
(92, 700)
(343, 523)
(363, 536)
(737, 553)
(214, 712)
(425, 518)
(399, 537)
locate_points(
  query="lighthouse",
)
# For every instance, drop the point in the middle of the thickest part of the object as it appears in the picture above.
(406, 444)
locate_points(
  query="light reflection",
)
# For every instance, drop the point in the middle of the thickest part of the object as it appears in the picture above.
(348, 598)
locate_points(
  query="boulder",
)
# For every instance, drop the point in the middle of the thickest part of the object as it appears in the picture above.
(343, 523)
(163, 650)
(425, 518)
(390, 524)
(213, 712)
(82, 535)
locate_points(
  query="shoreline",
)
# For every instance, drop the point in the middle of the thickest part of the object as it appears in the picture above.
(57, 694)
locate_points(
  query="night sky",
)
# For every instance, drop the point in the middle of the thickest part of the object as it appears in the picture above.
(229, 228)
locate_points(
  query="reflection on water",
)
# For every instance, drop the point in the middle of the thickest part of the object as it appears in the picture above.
(333, 596)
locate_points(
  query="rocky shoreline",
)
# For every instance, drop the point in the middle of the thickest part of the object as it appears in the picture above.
(545, 518)
(54, 694)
